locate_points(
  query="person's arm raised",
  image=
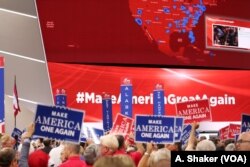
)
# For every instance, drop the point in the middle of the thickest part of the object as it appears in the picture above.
(192, 140)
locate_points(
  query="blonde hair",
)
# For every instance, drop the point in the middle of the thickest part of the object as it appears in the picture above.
(114, 161)
(5, 141)
(206, 145)
(156, 157)
(110, 141)
(126, 160)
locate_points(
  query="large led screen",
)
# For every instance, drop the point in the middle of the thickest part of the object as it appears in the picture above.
(146, 32)
(227, 90)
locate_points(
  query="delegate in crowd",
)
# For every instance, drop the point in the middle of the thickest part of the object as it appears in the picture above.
(113, 151)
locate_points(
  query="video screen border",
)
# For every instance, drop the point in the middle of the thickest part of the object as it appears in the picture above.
(226, 19)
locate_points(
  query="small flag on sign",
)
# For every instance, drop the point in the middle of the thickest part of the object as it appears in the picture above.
(15, 100)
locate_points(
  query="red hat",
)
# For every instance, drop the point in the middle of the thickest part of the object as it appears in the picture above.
(38, 158)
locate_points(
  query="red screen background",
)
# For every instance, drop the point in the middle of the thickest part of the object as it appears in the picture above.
(177, 82)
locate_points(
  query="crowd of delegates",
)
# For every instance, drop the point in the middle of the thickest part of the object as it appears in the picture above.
(112, 151)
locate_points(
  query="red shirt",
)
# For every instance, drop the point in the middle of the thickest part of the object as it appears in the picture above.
(74, 161)
(136, 156)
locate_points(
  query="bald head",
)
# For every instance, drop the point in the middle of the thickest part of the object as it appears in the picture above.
(243, 143)
(71, 149)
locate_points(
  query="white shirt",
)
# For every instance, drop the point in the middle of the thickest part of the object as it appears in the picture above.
(55, 155)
